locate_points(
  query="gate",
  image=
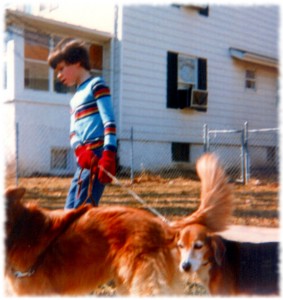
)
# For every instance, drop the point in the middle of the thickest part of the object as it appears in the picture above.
(245, 153)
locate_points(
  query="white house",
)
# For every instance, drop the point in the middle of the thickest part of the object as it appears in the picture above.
(171, 69)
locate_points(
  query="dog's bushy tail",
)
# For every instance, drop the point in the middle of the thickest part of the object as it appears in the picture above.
(216, 204)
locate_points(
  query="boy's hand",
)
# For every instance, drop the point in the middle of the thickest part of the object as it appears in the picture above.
(86, 158)
(108, 162)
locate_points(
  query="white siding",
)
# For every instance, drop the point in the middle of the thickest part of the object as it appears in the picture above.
(150, 31)
(135, 66)
(41, 128)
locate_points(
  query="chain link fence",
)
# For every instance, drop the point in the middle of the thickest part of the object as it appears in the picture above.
(141, 156)
(245, 153)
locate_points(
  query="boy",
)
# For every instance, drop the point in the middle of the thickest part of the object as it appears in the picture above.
(92, 128)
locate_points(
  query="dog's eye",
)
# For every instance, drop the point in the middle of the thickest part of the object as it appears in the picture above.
(180, 245)
(198, 245)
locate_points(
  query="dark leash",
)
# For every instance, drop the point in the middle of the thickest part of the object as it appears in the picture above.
(92, 174)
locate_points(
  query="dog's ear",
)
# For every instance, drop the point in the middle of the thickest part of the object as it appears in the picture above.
(218, 248)
(172, 237)
(13, 196)
(176, 237)
(14, 193)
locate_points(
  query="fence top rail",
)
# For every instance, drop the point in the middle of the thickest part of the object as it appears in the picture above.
(225, 131)
(263, 130)
(241, 130)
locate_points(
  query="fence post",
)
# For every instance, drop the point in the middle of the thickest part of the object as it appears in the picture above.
(132, 154)
(243, 168)
(205, 138)
(246, 154)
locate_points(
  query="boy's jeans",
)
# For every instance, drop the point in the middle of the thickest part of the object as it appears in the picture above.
(72, 200)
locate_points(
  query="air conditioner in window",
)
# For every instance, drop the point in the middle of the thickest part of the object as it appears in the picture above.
(199, 99)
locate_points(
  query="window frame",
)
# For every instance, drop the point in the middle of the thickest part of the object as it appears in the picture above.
(183, 60)
(34, 46)
(178, 92)
(59, 151)
(52, 84)
(250, 80)
(179, 150)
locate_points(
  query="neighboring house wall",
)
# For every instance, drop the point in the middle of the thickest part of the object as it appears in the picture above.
(37, 123)
(42, 129)
(149, 32)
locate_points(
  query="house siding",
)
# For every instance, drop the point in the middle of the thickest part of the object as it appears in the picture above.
(41, 128)
(135, 67)
(150, 31)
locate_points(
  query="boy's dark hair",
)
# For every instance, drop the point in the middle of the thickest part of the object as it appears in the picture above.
(70, 51)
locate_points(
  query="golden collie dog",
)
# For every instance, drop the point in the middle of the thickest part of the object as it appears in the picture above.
(73, 252)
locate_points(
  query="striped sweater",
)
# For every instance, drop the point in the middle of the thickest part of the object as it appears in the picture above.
(92, 117)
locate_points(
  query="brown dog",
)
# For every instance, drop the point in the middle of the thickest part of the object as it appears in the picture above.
(224, 267)
(73, 252)
(229, 267)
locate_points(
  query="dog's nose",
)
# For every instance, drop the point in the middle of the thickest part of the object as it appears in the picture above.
(186, 266)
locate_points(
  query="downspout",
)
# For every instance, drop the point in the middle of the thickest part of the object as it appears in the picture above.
(116, 74)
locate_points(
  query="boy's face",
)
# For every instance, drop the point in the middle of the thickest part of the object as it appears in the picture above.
(67, 74)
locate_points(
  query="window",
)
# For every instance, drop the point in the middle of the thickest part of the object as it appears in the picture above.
(180, 152)
(96, 59)
(204, 11)
(36, 67)
(187, 71)
(271, 156)
(184, 75)
(59, 158)
(250, 80)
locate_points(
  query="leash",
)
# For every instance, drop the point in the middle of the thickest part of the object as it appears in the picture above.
(132, 193)
(118, 183)
(90, 184)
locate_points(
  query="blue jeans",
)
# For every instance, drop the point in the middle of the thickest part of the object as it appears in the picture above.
(73, 199)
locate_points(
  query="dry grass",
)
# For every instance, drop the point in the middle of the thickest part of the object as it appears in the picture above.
(256, 203)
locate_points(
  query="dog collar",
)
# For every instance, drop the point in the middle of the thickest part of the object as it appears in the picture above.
(19, 274)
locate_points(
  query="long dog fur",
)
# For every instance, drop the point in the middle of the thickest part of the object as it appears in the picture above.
(73, 252)
(216, 202)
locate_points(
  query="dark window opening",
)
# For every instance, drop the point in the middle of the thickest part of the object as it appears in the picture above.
(59, 158)
(181, 83)
(180, 152)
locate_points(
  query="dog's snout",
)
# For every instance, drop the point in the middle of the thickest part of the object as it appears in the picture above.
(186, 266)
